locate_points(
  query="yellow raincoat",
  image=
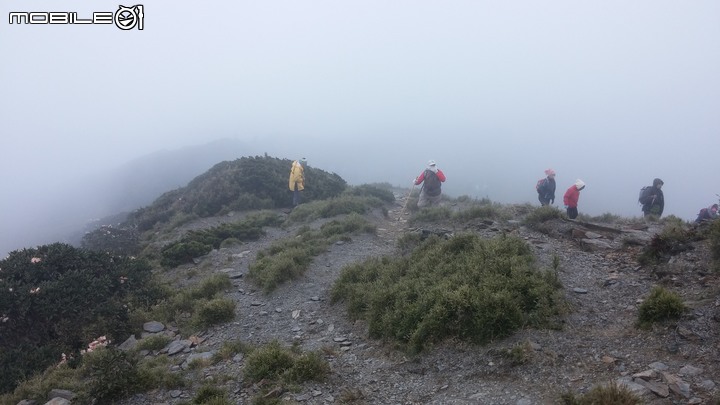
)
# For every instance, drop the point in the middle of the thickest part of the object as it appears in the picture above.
(297, 176)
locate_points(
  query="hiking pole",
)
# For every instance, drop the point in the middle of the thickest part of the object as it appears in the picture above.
(406, 201)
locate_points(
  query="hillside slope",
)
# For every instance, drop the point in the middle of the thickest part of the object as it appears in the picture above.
(598, 342)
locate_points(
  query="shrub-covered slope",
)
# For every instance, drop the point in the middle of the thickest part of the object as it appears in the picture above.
(247, 183)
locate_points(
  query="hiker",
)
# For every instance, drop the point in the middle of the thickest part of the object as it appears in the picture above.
(546, 188)
(571, 197)
(707, 214)
(432, 179)
(652, 200)
(297, 179)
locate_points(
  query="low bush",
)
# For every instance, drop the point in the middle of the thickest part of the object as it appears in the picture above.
(214, 312)
(610, 394)
(482, 210)
(283, 367)
(289, 258)
(183, 252)
(344, 204)
(306, 367)
(153, 343)
(660, 305)
(466, 287)
(519, 353)
(211, 286)
(382, 192)
(201, 242)
(230, 349)
(430, 214)
(675, 237)
(607, 218)
(210, 394)
(539, 215)
(112, 374)
(182, 307)
(269, 361)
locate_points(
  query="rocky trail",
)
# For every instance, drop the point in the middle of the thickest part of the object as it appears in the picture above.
(598, 343)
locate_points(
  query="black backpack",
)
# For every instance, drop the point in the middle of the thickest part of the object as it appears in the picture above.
(431, 183)
(540, 185)
(645, 196)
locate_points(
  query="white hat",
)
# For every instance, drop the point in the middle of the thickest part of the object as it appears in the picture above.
(579, 184)
(431, 163)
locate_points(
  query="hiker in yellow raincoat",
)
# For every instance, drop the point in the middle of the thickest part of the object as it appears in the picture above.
(297, 179)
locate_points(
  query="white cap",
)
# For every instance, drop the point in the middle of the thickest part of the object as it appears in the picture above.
(431, 163)
(579, 184)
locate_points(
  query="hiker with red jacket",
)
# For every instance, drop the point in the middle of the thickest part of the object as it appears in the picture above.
(432, 179)
(571, 197)
(546, 188)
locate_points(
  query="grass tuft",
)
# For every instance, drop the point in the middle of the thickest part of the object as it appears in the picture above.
(466, 287)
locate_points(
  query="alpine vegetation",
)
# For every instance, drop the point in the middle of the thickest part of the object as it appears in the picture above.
(469, 288)
(288, 259)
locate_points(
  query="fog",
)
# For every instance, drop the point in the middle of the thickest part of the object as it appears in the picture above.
(615, 93)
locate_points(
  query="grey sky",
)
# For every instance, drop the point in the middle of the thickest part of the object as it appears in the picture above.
(613, 92)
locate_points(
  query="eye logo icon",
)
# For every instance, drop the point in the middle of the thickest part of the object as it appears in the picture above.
(127, 18)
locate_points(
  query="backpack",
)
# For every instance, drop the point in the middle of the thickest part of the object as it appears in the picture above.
(432, 183)
(540, 184)
(645, 194)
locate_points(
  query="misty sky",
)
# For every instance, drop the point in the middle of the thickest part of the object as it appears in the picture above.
(612, 92)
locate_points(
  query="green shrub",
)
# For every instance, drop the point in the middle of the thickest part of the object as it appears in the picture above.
(200, 242)
(284, 366)
(607, 218)
(307, 366)
(154, 372)
(230, 349)
(674, 238)
(248, 183)
(481, 211)
(431, 214)
(119, 241)
(112, 374)
(211, 286)
(382, 192)
(214, 312)
(353, 223)
(289, 258)
(540, 215)
(183, 252)
(660, 305)
(39, 386)
(78, 296)
(230, 242)
(269, 361)
(156, 342)
(465, 287)
(345, 204)
(209, 394)
(610, 394)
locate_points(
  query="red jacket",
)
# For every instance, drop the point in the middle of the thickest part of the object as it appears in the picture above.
(571, 197)
(421, 177)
